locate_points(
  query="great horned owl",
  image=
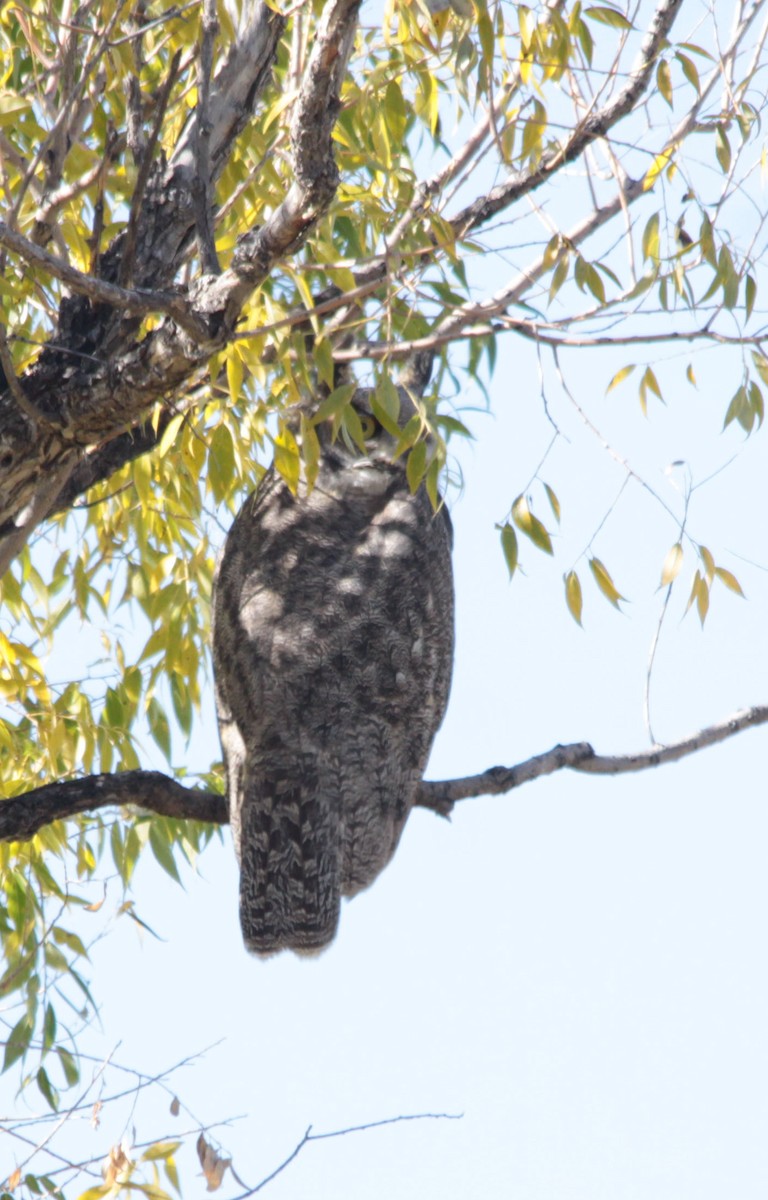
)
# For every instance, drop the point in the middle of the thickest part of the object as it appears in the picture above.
(332, 651)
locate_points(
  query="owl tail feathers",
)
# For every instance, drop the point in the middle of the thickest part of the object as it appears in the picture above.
(289, 875)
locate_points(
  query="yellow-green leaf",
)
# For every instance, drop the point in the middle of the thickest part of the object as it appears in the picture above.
(573, 596)
(664, 80)
(620, 376)
(651, 238)
(730, 581)
(604, 581)
(657, 166)
(554, 503)
(608, 16)
(334, 403)
(530, 525)
(509, 546)
(416, 465)
(722, 149)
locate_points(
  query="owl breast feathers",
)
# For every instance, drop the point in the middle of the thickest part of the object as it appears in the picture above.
(333, 647)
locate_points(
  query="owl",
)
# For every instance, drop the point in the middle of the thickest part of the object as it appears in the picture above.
(332, 655)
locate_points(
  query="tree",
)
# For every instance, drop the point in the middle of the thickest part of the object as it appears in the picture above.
(207, 213)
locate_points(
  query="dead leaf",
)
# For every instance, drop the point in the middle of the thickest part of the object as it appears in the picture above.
(116, 1161)
(175, 1106)
(95, 1119)
(14, 1180)
(212, 1163)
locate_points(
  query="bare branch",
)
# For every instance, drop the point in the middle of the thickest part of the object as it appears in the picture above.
(21, 817)
(441, 797)
(309, 1136)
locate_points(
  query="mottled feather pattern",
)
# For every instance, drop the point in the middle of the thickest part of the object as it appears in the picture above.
(333, 645)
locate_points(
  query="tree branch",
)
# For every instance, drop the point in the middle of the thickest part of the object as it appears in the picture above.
(595, 126)
(97, 404)
(21, 817)
(130, 300)
(579, 756)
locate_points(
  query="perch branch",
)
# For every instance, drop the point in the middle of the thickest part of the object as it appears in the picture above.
(22, 816)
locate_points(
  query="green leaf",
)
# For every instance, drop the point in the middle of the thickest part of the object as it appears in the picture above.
(416, 465)
(182, 701)
(554, 503)
(17, 1042)
(722, 149)
(49, 1027)
(530, 525)
(287, 464)
(690, 71)
(664, 80)
(160, 1150)
(221, 463)
(740, 410)
(750, 295)
(559, 275)
(756, 402)
(47, 1089)
(69, 1066)
(63, 937)
(158, 840)
(509, 546)
(729, 277)
(608, 16)
(159, 727)
(335, 403)
(573, 596)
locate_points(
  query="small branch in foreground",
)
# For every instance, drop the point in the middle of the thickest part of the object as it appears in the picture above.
(309, 1136)
(22, 816)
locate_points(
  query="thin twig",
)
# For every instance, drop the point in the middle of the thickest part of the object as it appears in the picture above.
(309, 1136)
(201, 190)
(129, 250)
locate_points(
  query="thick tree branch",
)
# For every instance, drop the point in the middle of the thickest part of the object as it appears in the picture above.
(92, 394)
(21, 817)
(139, 301)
